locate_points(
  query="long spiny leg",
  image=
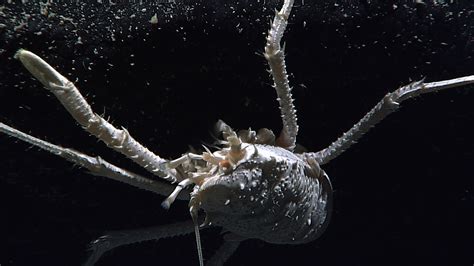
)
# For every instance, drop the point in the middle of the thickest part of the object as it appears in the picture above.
(70, 97)
(386, 106)
(95, 165)
(275, 56)
(116, 239)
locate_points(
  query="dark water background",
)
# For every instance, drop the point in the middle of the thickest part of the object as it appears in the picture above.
(403, 195)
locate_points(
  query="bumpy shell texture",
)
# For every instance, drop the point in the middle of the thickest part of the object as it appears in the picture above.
(274, 195)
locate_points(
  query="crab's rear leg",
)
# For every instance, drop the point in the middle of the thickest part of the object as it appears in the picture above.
(70, 97)
(383, 108)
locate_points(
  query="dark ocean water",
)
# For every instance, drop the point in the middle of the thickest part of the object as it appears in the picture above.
(404, 195)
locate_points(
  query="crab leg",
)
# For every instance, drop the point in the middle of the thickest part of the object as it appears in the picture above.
(126, 237)
(70, 97)
(276, 59)
(95, 165)
(389, 104)
(223, 253)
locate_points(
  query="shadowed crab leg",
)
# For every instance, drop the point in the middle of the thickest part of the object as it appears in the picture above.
(70, 97)
(120, 238)
(223, 253)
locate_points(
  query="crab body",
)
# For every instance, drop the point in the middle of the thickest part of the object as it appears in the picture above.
(271, 194)
(254, 185)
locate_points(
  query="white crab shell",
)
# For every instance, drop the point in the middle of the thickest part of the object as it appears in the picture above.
(271, 194)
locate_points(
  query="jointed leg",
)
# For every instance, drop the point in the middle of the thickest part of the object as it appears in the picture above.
(386, 106)
(77, 106)
(95, 165)
(126, 237)
(276, 59)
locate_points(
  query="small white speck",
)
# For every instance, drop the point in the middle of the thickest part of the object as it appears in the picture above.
(154, 19)
(277, 189)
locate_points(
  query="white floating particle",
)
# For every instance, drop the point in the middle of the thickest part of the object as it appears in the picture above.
(154, 19)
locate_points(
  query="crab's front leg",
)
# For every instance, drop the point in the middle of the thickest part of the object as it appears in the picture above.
(275, 56)
(120, 238)
(115, 239)
(96, 165)
(70, 97)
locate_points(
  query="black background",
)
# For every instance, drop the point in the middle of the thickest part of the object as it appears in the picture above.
(403, 195)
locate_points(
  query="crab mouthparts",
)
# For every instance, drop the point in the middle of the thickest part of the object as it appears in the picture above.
(196, 169)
